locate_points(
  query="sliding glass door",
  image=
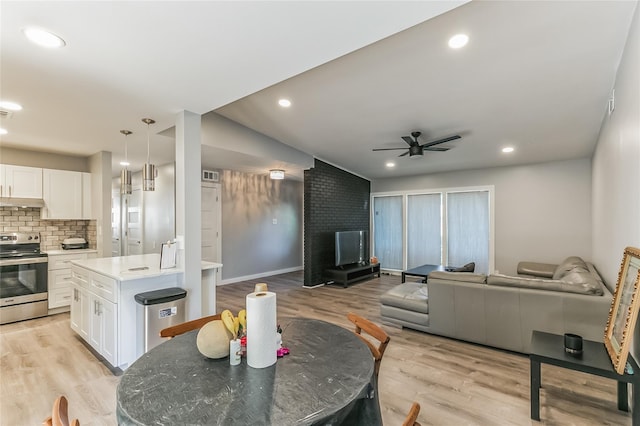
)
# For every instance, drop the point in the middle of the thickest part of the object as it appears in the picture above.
(446, 227)
(387, 228)
(424, 229)
(468, 229)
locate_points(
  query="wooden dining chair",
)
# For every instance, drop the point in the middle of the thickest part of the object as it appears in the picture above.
(411, 418)
(59, 414)
(176, 330)
(374, 331)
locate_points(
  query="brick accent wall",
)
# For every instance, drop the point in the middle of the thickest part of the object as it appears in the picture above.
(334, 200)
(52, 232)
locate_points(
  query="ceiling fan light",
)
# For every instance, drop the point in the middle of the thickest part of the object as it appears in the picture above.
(415, 150)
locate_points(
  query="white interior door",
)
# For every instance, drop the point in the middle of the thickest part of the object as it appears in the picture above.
(133, 236)
(211, 222)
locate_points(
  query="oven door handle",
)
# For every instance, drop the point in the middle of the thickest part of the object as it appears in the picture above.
(23, 261)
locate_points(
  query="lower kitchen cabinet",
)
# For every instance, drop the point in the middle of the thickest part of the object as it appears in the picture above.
(102, 336)
(103, 308)
(80, 311)
(59, 277)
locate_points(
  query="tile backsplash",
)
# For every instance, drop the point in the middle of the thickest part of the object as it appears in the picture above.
(52, 232)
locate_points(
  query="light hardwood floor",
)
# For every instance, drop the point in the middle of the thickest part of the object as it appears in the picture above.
(456, 383)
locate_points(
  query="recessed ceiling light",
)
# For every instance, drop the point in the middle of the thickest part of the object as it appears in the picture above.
(458, 41)
(390, 164)
(286, 103)
(124, 163)
(11, 106)
(507, 149)
(3, 131)
(43, 38)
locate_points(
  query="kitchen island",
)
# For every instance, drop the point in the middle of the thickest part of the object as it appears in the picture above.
(104, 312)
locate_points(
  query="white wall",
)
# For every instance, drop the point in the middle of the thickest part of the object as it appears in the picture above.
(616, 170)
(616, 166)
(542, 211)
(100, 168)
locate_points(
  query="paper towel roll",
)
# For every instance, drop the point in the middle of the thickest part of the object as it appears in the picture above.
(261, 329)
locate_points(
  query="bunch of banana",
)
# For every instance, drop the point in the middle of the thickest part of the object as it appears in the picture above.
(230, 322)
(242, 317)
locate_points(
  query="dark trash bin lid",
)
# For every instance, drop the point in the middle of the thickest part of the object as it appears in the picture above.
(160, 296)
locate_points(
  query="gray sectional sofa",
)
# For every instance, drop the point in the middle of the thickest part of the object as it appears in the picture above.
(502, 311)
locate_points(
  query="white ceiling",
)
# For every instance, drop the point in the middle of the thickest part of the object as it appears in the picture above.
(535, 75)
(127, 60)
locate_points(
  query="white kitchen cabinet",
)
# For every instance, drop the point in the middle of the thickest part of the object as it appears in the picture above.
(80, 311)
(116, 328)
(102, 335)
(94, 311)
(66, 194)
(59, 277)
(20, 181)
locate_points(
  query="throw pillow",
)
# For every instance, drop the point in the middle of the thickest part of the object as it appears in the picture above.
(469, 267)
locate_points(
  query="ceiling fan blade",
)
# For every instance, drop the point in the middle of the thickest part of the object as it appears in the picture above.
(435, 148)
(402, 155)
(439, 141)
(408, 140)
(386, 149)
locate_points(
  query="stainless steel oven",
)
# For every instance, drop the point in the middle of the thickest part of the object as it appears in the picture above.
(23, 277)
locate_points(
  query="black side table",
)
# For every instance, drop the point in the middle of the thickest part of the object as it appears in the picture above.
(547, 348)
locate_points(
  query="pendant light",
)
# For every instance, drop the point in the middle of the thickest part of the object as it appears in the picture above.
(149, 171)
(125, 174)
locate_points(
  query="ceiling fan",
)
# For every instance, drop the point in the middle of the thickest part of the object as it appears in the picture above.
(416, 149)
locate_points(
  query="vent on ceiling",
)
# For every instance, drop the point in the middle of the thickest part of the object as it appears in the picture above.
(210, 176)
(5, 114)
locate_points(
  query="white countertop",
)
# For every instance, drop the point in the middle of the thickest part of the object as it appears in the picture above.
(119, 268)
(58, 252)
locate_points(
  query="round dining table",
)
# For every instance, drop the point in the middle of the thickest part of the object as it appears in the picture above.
(327, 379)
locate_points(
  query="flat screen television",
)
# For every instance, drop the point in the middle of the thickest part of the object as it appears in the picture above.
(351, 247)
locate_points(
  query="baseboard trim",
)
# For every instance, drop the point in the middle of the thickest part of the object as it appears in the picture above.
(261, 275)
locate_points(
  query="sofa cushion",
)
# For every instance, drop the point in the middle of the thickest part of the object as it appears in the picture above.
(458, 276)
(409, 296)
(576, 283)
(572, 263)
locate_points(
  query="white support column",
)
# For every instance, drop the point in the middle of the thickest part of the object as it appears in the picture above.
(188, 208)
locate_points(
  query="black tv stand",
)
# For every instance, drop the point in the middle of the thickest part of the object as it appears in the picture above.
(351, 273)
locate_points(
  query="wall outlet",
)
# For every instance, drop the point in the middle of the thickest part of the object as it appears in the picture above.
(275, 221)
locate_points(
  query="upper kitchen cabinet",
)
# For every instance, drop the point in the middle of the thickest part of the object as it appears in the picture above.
(66, 194)
(20, 181)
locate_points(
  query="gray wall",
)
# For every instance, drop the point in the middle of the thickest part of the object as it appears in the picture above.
(616, 197)
(542, 211)
(251, 244)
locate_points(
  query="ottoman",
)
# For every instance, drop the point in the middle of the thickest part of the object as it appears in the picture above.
(406, 305)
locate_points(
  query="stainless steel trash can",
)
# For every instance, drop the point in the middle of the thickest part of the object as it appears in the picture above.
(162, 308)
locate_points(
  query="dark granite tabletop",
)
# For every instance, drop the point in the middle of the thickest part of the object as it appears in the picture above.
(327, 379)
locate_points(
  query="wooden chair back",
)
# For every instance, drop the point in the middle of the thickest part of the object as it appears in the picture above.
(60, 415)
(374, 331)
(411, 418)
(176, 330)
